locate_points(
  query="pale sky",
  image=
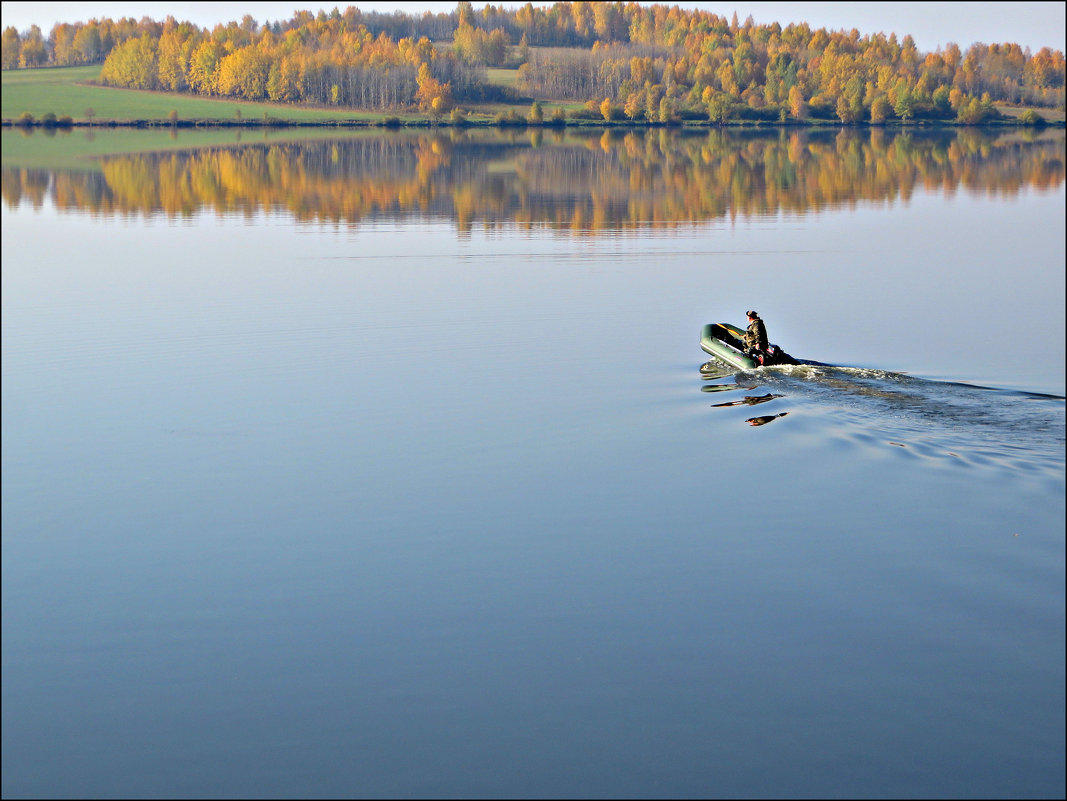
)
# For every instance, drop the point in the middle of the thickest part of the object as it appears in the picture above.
(931, 24)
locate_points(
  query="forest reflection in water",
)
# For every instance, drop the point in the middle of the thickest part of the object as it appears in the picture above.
(565, 180)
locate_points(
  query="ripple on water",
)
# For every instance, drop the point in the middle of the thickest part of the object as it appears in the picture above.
(957, 424)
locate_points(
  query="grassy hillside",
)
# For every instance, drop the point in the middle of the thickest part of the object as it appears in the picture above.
(62, 91)
(1053, 115)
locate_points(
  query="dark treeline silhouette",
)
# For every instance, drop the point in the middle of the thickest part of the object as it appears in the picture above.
(656, 63)
(565, 180)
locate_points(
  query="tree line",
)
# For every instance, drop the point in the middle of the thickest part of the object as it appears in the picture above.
(623, 60)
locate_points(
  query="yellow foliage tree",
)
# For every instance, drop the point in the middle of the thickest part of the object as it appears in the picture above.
(432, 95)
(132, 64)
(798, 106)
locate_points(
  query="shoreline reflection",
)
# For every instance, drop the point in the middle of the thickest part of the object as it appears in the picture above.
(566, 181)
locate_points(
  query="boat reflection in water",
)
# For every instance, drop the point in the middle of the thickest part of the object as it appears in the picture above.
(749, 400)
(714, 371)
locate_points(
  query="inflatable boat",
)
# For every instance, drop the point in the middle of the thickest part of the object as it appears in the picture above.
(724, 342)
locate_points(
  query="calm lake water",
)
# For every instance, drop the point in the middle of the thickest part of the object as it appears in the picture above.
(384, 466)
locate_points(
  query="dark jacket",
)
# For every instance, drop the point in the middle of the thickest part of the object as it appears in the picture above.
(756, 336)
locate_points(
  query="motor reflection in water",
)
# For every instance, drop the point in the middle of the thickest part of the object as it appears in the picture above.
(712, 371)
(762, 421)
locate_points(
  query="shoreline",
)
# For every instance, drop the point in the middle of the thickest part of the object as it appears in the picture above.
(394, 122)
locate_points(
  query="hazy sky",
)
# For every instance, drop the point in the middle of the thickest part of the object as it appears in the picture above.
(932, 24)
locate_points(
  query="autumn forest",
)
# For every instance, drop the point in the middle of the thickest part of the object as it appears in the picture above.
(610, 61)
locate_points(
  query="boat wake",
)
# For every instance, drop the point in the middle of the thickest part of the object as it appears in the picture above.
(937, 419)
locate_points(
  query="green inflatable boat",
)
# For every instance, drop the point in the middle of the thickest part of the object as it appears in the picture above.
(724, 342)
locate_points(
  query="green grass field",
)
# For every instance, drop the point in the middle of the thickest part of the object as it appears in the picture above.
(502, 77)
(61, 90)
(1050, 114)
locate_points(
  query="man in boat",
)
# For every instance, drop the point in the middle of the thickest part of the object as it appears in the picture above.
(756, 335)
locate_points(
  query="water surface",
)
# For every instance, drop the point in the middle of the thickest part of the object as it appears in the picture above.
(386, 467)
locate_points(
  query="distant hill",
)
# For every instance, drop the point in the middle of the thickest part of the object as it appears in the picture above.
(610, 61)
